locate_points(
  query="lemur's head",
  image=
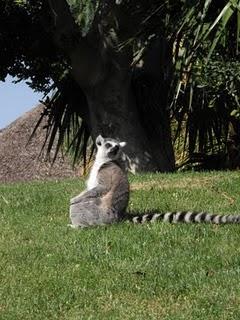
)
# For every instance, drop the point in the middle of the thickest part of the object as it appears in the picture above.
(109, 148)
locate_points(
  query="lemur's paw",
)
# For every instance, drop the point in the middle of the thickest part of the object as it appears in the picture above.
(74, 226)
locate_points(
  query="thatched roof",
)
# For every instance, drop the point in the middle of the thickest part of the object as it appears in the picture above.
(21, 162)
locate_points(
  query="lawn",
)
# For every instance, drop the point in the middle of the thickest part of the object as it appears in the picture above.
(123, 271)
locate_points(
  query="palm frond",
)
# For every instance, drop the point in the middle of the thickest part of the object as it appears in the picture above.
(203, 91)
(66, 126)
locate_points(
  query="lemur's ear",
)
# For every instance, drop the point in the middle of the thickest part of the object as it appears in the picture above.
(122, 144)
(99, 140)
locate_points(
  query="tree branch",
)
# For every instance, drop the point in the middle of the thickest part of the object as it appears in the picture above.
(85, 60)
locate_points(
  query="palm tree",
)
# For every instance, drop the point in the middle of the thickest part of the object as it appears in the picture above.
(205, 99)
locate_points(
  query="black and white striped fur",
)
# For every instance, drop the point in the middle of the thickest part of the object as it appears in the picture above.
(186, 217)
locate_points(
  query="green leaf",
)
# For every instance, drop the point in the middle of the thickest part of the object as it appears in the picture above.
(83, 12)
(238, 32)
(222, 21)
(235, 113)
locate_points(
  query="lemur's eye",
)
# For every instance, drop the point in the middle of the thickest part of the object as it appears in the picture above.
(108, 145)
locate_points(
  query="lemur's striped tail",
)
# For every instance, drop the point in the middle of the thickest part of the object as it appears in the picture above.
(187, 217)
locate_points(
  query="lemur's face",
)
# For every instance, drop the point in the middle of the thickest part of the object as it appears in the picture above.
(109, 148)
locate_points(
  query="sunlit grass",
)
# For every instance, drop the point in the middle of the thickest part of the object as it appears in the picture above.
(124, 271)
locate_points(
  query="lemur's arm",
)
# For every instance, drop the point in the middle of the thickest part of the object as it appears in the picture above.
(105, 180)
(96, 192)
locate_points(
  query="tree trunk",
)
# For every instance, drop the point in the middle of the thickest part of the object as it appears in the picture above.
(233, 144)
(113, 113)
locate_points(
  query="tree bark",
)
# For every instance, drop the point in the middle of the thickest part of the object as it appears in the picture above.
(233, 144)
(113, 114)
(155, 78)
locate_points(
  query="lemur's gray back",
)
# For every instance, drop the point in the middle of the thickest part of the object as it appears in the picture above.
(107, 196)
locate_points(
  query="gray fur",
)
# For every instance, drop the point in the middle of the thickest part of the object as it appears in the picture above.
(107, 200)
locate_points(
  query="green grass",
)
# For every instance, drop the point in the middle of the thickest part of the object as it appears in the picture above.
(123, 271)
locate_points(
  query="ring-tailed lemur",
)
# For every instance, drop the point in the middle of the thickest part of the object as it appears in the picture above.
(106, 198)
